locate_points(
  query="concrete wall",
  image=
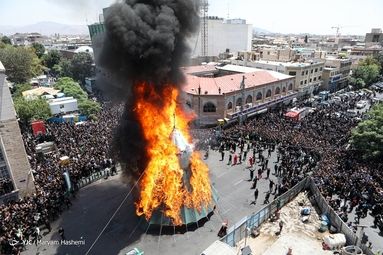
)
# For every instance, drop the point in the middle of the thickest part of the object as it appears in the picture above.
(222, 36)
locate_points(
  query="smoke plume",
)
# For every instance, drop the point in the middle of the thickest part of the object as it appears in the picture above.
(145, 40)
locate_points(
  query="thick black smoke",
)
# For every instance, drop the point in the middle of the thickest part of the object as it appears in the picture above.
(145, 40)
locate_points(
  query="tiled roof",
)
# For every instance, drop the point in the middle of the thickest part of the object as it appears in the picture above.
(228, 83)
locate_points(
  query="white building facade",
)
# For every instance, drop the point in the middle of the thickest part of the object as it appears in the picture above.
(232, 34)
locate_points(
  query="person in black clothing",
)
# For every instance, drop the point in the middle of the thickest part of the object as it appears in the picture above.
(230, 158)
(271, 184)
(251, 173)
(61, 233)
(254, 183)
(256, 192)
(267, 173)
(267, 198)
(222, 155)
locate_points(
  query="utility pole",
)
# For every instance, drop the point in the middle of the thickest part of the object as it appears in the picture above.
(242, 87)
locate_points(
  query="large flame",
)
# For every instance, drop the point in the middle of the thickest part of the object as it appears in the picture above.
(163, 186)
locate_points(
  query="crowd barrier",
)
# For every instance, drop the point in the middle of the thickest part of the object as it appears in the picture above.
(239, 230)
(92, 178)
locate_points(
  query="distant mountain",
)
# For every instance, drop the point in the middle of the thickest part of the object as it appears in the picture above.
(46, 28)
(258, 30)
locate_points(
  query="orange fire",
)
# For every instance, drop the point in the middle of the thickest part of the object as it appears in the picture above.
(162, 185)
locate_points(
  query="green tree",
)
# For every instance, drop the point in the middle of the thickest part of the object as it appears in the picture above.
(28, 110)
(20, 63)
(39, 49)
(367, 137)
(71, 88)
(20, 88)
(64, 68)
(379, 60)
(89, 107)
(52, 58)
(6, 40)
(81, 66)
(368, 71)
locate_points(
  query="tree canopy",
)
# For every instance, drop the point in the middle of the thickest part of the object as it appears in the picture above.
(6, 40)
(367, 137)
(52, 58)
(29, 110)
(18, 89)
(81, 66)
(89, 107)
(71, 88)
(21, 64)
(39, 49)
(366, 73)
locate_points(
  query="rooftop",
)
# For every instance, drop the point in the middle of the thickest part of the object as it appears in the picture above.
(290, 64)
(230, 83)
(7, 111)
(198, 69)
(40, 91)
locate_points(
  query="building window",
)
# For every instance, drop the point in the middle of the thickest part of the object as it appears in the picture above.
(305, 81)
(311, 71)
(188, 103)
(259, 96)
(316, 69)
(292, 73)
(230, 106)
(209, 107)
(290, 86)
(277, 91)
(249, 99)
(320, 69)
(307, 72)
(239, 102)
(283, 89)
(315, 78)
(301, 82)
(319, 77)
(303, 73)
(268, 93)
(311, 80)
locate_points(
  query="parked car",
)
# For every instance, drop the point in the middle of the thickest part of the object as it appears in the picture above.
(361, 104)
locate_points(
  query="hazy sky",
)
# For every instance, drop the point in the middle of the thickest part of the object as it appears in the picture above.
(284, 16)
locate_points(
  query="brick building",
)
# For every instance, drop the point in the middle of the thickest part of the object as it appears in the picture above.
(215, 92)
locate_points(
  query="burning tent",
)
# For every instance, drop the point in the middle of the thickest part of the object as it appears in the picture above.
(144, 46)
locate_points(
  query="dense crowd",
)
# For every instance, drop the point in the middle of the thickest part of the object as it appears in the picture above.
(6, 186)
(317, 145)
(86, 145)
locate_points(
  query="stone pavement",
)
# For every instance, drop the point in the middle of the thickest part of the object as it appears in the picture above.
(96, 203)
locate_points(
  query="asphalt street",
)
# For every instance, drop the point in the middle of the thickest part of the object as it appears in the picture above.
(95, 205)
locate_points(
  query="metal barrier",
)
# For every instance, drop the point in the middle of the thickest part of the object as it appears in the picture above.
(92, 178)
(238, 231)
(336, 221)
